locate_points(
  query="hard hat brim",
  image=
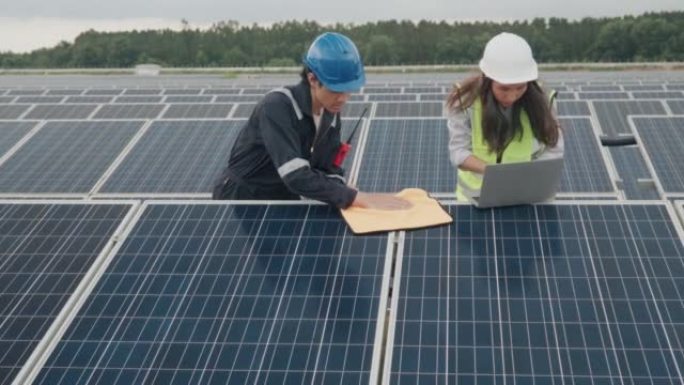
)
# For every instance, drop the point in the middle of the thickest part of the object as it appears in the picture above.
(348, 87)
(528, 76)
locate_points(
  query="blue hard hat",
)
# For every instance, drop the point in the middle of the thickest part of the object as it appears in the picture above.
(336, 62)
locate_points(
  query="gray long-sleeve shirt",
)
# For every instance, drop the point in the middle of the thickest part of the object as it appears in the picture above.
(461, 146)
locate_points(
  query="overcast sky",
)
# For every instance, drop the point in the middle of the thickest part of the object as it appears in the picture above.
(29, 24)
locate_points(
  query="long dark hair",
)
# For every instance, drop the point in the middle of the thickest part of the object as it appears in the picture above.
(498, 132)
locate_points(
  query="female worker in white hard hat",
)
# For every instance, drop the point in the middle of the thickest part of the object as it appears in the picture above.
(500, 115)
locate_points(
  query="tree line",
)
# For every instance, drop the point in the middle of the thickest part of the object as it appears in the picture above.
(643, 38)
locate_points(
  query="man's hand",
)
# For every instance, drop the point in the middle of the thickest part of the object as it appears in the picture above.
(380, 201)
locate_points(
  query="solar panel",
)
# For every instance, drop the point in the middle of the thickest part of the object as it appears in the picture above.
(573, 108)
(675, 87)
(612, 115)
(221, 91)
(46, 251)
(103, 92)
(423, 90)
(632, 170)
(566, 294)
(658, 95)
(392, 97)
(601, 88)
(129, 111)
(138, 99)
(89, 99)
(602, 95)
(642, 87)
(558, 87)
(175, 157)
(566, 96)
(381, 90)
(65, 92)
(189, 111)
(182, 91)
(663, 139)
(433, 97)
(12, 111)
(189, 99)
(584, 169)
(26, 92)
(65, 157)
(39, 99)
(408, 109)
(6, 99)
(11, 133)
(238, 98)
(406, 153)
(219, 294)
(142, 91)
(352, 111)
(243, 110)
(677, 106)
(256, 90)
(60, 111)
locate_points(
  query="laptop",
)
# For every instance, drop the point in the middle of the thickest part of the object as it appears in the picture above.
(509, 184)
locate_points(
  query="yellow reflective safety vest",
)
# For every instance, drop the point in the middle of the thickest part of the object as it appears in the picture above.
(518, 150)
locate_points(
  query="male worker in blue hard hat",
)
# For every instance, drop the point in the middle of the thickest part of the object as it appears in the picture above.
(288, 146)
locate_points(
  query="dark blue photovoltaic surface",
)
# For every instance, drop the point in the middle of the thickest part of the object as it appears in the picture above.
(407, 153)
(11, 133)
(663, 139)
(587, 294)
(612, 115)
(176, 157)
(584, 170)
(65, 157)
(45, 250)
(631, 167)
(217, 294)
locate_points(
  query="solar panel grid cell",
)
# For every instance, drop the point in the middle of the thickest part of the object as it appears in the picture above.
(39, 99)
(65, 157)
(64, 92)
(175, 157)
(89, 99)
(129, 111)
(407, 152)
(11, 133)
(12, 111)
(612, 115)
(47, 250)
(217, 294)
(633, 172)
(60, 111)
(658, 95)
(190, 111)
(584, 170)
(545, 294)
(188, 99)
(663, 139)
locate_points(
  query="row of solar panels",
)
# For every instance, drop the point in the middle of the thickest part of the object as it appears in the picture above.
(219, 293)
(182, 158)
(370, 88)
(377, 97)
(610, 113)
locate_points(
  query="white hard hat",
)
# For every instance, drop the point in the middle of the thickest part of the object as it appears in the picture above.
(508, 59)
